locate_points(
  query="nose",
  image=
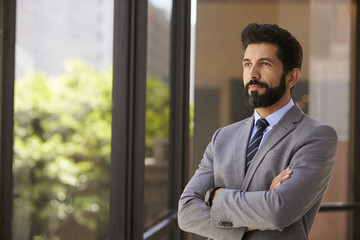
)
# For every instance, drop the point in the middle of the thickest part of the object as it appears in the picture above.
(254, 72)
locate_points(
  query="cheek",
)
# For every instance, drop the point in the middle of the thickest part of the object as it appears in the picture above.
(246, 77)
(275, 80)
(244, 81)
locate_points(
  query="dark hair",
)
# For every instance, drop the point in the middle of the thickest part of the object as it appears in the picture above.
(289, 49)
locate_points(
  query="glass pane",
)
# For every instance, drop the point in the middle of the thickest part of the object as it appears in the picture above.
(329, 62)
(321, 229)
(157, 113)
(62, 119)
(324, 30)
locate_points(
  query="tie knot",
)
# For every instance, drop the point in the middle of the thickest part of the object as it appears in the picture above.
(262, 123)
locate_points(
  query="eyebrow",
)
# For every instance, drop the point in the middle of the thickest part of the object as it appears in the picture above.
(267, 59)
(261, 59)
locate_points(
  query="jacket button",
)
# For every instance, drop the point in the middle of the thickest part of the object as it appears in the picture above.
(225, 224)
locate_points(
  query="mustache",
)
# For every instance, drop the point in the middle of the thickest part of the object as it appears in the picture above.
(256, 82)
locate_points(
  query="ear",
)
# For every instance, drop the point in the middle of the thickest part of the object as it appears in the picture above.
(292, 77)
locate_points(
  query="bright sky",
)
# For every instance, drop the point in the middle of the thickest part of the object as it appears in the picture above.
(164, 4)
(167, 4)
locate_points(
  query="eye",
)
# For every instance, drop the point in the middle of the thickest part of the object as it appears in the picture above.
(246, 64)
(266, 64)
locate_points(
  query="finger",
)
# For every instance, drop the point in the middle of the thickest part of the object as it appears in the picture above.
(274, 185)
(285, 174)
(279, 179)
(285, 177)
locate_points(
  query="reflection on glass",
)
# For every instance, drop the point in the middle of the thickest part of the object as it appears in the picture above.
(157, 113)
(324, 30)
(62, 119)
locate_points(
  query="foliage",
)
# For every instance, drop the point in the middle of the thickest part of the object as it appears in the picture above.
(62, 149)
(157, 112)
(191, 119)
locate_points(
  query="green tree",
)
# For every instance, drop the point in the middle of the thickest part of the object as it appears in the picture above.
(157, 112)
(62, 150)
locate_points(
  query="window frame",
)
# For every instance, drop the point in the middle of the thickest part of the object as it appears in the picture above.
(128, 127)
(354, 179)
(7, 70)
(179, 117)
(128, 119)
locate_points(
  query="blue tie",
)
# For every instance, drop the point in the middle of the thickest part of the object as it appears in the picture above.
(255, 141)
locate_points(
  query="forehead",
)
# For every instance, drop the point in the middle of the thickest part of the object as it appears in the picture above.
(261, 50)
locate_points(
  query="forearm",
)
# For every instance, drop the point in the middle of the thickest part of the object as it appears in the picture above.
(276, 182)
(195, 216)
(259, 210)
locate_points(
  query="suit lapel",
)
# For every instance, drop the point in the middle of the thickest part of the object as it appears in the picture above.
(282, 128)
(241, 142)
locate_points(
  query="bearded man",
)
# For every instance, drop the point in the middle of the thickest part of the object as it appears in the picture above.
(265, 176)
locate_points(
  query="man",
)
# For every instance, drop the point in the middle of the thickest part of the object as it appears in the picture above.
(263, 179)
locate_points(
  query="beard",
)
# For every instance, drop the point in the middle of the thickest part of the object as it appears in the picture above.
(268, 98)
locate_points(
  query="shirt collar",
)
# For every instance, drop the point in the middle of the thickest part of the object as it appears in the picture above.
(275, 117)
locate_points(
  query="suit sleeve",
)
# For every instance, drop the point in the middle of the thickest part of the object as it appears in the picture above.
(312, 164)
(193, 214)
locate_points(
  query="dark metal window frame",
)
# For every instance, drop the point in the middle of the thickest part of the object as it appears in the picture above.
(8, 8)
(355, 161)
(128, 128)
(179, 117)
(128, 119)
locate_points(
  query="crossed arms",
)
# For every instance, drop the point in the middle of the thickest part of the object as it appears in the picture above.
(283, 176)
(285, 202)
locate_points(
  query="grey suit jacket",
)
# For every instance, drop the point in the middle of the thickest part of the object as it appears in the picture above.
(288, 212)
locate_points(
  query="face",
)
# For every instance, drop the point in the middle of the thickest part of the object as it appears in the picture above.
(264, 80)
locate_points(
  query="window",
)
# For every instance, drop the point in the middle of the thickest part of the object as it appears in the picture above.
(156, 195)
(324, 28)
(62, 132)
(130, 202)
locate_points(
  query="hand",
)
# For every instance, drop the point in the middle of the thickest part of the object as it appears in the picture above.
(249, 229)
(279, 179)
